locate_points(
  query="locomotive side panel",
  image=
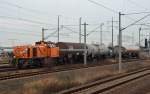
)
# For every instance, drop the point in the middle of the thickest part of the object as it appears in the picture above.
(54, 52)
(41, 51)
(22, 51)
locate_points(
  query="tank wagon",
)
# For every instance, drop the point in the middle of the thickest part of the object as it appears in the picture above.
(102, 52)
(74, 52)
(127, 52)
(131, 53)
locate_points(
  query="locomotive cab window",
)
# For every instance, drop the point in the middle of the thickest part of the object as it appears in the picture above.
(34, 52)
(28, 52)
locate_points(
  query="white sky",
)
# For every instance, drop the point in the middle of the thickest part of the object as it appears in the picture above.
(22, 25)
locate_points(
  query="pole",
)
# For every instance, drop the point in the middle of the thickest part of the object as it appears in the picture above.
(42, 34)
(58, 29)
(85, 50)
(140, 37)
(101, 38)
(80, 30)
(101, 35)
(149, 44)
(120, 44)
(112, 36)
(132, 38)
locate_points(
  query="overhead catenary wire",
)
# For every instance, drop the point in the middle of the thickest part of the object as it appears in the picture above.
(29, 34)
(136, 4)
(20, 33)
(20, 30)
(51, 34)
(94, 30)
(23, 24)
(24, 8)
(18, 12)
(23, 29)
(67, 28)
(136, 13)
(139, 5)
(94, 2)
(136, 21)
(30, 10)
(22, 19)
(112, 10)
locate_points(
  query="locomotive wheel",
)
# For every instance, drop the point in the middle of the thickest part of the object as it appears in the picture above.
(39, 63)
(20, 65)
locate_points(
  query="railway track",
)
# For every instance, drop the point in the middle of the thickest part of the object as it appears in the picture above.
(5, 68)
(131, 60)
(27, 74)
(9, 68)
(103, 85)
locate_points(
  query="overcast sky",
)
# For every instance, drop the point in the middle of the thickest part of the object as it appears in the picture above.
(21, 20)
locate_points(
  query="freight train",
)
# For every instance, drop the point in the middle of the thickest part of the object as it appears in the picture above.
(48, 53)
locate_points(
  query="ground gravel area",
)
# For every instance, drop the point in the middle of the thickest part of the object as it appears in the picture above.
(15, 86)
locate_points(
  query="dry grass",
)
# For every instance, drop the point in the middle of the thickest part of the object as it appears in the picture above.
(47, 86)
(61, 82)
(4, 60)
(144, 55)
(53, 83)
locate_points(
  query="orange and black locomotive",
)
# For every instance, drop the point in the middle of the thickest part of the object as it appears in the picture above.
(39, 54)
